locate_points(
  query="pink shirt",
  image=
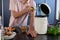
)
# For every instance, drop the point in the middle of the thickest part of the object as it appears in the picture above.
(16, 5)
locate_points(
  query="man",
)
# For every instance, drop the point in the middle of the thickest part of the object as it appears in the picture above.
(20, 10)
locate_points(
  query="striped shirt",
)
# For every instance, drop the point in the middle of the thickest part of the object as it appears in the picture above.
(16, 5)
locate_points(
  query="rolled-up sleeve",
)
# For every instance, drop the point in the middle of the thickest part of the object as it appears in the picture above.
(11, 8)
(32, 3)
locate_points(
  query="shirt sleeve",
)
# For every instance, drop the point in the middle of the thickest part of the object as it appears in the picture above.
(12, 6)
(32, 3)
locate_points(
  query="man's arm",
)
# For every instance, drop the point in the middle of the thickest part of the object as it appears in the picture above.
(31, 19)
(20, 13)
(31, 30)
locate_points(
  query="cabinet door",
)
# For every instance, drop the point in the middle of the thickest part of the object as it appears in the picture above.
(52, 15)
(37, 9)
(52, 4)
(0, 7)
(6, 12)
(39, 2)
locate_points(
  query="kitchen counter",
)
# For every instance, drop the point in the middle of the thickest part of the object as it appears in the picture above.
(23, 36)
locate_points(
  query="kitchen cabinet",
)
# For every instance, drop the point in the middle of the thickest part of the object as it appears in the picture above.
(52, 15)
(6, 12)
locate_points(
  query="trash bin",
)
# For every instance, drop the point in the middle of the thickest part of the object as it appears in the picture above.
(41, 21)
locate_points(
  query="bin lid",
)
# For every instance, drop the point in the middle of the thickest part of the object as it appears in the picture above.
(45, 8)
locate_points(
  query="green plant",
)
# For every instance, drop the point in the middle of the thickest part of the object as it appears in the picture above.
(59, 31)
(54, 30)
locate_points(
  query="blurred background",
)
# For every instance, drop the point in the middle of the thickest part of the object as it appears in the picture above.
(53, 16)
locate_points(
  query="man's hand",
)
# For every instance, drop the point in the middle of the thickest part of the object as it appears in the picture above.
(30, 8)
(32, 32)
